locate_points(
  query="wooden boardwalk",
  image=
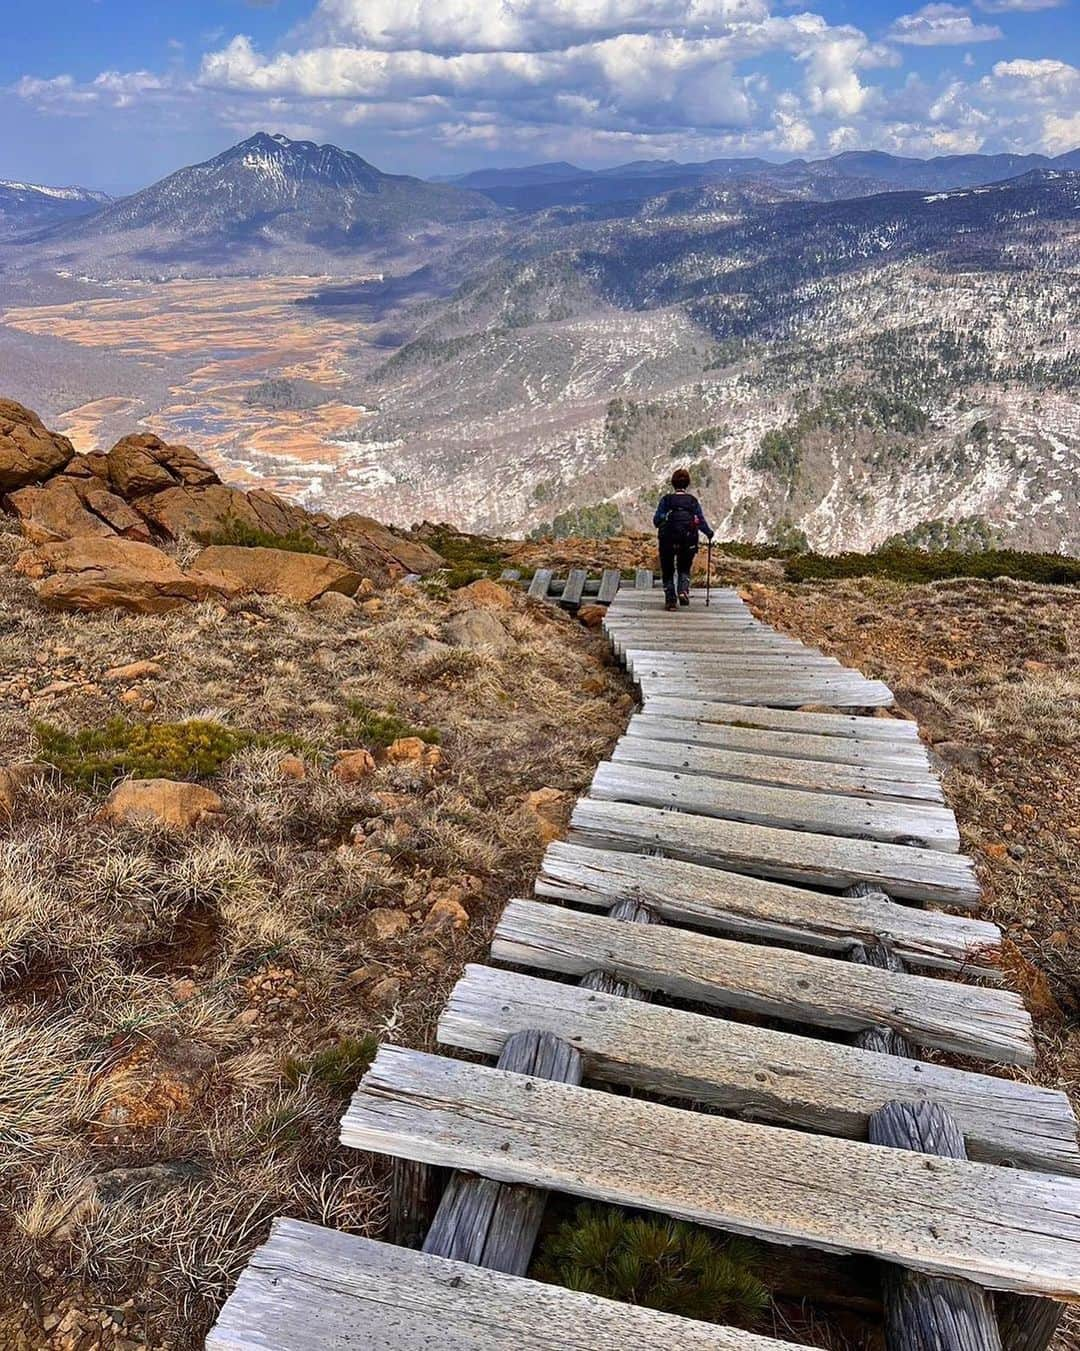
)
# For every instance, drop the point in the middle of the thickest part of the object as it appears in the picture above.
(750, 925)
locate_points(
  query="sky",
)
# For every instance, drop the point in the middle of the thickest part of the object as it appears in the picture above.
(113, 94)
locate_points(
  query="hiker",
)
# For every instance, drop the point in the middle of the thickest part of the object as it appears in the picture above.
(678, 519)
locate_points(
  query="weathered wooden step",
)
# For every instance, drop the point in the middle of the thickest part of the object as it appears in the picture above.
(815, 776)
(314, 1289)
(733, 903)
(758, 1073)
(789, 855)
(723, 665)
(1002, 1228)
(797, 987)
(791, 691)
(914, 823)
(899, 757)
(784, 720)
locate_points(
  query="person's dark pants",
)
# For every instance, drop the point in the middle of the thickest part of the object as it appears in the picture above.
(676, 560)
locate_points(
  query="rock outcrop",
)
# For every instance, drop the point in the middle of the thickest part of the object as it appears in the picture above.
(380, 553)
(103, 574)
(71, 507)
(143, 464)
(29, 452)
(273, 572)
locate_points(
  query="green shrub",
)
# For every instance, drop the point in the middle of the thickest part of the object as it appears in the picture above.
(378, 730)
(163, 750)
(236, 532)
(917, 565)
(600, 521)
(659, 1264)
(339, 1067)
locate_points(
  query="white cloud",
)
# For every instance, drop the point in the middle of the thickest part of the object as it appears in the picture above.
(1017, 6)
(517, 25)
(941, 25)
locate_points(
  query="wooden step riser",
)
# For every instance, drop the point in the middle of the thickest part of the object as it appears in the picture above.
(797, 987)
(996, 1226)
(846, 725)
(751, 907)
(924, 825)
(898, 758)
(758, 1073)
(784, 855)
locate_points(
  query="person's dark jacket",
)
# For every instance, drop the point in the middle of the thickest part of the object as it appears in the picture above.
(681, 506)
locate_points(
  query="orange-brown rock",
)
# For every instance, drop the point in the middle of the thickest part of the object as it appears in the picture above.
(273, 572)
(446, 914)
(29, 452)
(411, 750)
(178, 805)
(488, 594)
(70, 507)
(381, 552)
(383, 924)
(292, 767)
(14, 780)
(549, 809)
(203, 512)
(134, 670)
(145, 464)
(99, 574)
(353, 766)
(592, 616)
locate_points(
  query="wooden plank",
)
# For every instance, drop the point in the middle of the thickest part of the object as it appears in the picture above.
(610, 580)
(921, 824)
(785, 720)
(510, 575)
(643, 580)
(314, 1289)
(538, 587)
(999, 1227)
(812, 775)
(654, 598)
(751, 907)
(899, 757)
(723, 665)
(797, 987)
(844, 691)
(788, 855)
(574, 589)
(756, 1072)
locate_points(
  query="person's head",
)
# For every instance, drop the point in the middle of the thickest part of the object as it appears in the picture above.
(680, 480)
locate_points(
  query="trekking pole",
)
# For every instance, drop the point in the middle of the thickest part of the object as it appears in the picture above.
(708, 572)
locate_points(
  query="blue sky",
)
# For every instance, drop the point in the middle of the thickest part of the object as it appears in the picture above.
(115, 93)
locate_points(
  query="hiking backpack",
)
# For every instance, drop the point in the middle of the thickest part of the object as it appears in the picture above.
(681, 522)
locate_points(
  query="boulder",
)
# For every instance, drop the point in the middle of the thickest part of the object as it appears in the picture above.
(205, 513)
(382, 553)
(72, 507)
(178, 805)
(273, 572)
(477, 630)
(100, 574)
(143, 464)
(29, 452)
(487, 594)
(134, 670)
(549, 809)
(592, 616)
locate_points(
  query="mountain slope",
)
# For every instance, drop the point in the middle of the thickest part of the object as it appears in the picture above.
(32, 206)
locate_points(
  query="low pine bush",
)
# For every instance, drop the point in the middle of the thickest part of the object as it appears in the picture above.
(93, 756)
(339, 1067)
(240, 533)
(659, 1264)
(377, 730)
(918, 565)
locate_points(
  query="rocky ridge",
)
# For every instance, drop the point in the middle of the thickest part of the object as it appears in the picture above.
(104, 528)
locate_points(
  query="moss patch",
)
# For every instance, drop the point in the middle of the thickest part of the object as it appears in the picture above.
(377, 730)
(245, 536)
(166, 750)
(339, 1067)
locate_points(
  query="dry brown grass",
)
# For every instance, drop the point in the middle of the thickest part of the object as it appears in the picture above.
(156, 985)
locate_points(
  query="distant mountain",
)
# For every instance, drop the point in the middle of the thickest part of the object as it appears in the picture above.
(851, 174)
(271, 192)
(30, 206)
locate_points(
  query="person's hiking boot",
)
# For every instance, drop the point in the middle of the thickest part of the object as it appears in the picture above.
(670, 605)
(684, 598)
